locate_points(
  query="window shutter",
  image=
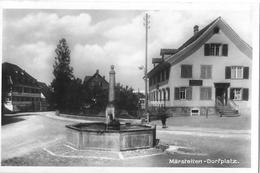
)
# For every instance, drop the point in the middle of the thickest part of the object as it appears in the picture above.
(225, 50)
(245, 94)
(210, 91)
(201, 93)
(182, 71)
(228, 72)
(206, 49)
(231, 93)
(209, 72)
(168, 89)
(189, 70)
(176, 93)
(189, 93)
(203, 72)
(246, 72)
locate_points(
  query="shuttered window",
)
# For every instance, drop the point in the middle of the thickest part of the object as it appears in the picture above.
(215, 49)
(205, 93)
(186, 71)
(205, 71)
(183, 93)
(237, 72)
(239, 94)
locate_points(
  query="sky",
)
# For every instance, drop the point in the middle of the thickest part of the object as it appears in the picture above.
(101, 38)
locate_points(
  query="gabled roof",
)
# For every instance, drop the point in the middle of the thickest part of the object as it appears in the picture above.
(45, 90)
(18, 75)
(89, 78)
(158, 68)
(197, 40)
(168, 51)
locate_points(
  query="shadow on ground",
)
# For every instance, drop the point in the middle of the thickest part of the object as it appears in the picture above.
(9, 120)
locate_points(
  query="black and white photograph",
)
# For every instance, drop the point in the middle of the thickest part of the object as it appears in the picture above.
(149, 86)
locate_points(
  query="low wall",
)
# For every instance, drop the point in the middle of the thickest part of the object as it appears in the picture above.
(111, 140)
(186, 111)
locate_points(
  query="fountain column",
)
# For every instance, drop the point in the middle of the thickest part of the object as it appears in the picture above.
(110, 110)
(112, 81)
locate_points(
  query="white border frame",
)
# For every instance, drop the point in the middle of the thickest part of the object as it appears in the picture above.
(153, 5)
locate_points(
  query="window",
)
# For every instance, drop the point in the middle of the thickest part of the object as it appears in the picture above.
(205, 93)
(237, 72)
(206, 71)
(183, 93)
(239, 94)
(216, 49)
(186, 71)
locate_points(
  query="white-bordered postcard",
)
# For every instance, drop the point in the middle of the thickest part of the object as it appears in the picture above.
(147, 86)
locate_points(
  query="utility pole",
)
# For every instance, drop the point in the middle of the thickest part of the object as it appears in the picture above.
(147, 26)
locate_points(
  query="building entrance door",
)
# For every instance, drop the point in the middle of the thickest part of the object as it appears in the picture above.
(221, 92)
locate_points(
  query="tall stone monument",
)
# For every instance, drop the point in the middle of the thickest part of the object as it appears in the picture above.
(110, 110)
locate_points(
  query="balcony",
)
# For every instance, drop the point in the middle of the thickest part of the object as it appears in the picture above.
(26, 94)
(157, 85)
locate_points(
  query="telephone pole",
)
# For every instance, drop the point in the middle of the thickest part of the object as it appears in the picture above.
(147, 26)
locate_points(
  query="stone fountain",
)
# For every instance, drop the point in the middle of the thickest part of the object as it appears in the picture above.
(111, 135)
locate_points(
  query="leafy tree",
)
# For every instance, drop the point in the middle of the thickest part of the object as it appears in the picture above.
(63, 75)
(74, 96)
(126, 99)
(96, 97)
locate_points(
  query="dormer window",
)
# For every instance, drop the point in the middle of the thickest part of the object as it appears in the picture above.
(216, 49)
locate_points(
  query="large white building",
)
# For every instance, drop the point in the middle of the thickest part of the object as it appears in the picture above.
(209, 72)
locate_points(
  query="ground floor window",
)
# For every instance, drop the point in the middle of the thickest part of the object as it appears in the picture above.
(160, 95)
(205, 93)
(183, 93)
(239, 93)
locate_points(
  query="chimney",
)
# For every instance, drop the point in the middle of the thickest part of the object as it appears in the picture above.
(196, 29)
(104, 77)
(97, 71)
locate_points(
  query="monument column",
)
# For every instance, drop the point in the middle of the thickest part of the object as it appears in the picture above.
(110, 110)
(112, 81)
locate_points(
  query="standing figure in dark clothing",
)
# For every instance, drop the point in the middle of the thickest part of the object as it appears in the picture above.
(163, 115)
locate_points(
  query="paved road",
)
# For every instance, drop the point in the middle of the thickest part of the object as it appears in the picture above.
(32, 132)
(29, 133)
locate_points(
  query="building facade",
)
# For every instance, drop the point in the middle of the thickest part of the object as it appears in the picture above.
(209, 71)
(96, 81)
(24, 91)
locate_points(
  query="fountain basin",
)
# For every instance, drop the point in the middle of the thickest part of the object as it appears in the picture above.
(99, 136)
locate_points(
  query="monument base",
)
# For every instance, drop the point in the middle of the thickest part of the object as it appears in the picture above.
(110, 113)
(96, 136)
